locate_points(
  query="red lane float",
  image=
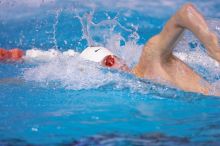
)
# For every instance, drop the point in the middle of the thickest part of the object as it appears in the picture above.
(11, 55)
(4, 54)
(16, 54)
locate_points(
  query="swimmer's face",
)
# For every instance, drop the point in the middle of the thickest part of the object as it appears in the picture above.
(113, 61)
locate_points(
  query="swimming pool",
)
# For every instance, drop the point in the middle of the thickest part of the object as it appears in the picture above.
(68, 101)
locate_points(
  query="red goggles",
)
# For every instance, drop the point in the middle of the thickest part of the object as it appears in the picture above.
(109, 61)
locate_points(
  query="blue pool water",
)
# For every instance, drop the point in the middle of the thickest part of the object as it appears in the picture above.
(68, 101)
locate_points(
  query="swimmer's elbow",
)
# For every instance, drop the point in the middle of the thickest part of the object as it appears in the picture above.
(186, 11)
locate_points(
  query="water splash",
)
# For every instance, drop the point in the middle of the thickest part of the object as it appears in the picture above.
(54, 33)
(121, 37)
(76, 74)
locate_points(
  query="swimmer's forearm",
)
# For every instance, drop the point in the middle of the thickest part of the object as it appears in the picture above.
(189, 18)
(185, 18)
(161, 45)
(159, 48)
(195, 22)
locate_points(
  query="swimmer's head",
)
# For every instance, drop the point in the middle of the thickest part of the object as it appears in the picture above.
(105, 57)
(113, 61)
(95, 54)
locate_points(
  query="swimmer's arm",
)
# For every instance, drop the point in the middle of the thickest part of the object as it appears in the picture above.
(187, 18)
(159, 48)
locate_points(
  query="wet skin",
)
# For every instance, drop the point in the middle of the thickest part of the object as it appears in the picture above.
(157, 60)
(159, 64)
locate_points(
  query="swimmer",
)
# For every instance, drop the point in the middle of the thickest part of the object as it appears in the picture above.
(157, 61)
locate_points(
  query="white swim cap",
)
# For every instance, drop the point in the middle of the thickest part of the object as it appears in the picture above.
(96, 54)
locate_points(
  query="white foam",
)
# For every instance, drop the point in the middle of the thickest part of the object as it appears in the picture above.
(75, 73)
(72, 72)
(70, 53)
(198, 58)
(35, 55)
